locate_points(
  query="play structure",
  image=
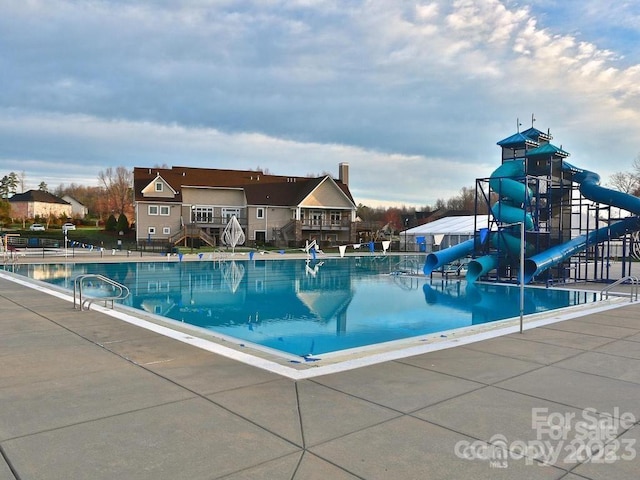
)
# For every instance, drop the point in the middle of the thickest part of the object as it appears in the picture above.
(574, 229)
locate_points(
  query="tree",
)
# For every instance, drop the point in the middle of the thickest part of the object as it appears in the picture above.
(636, 167)
(122, 224)
(393, 218)
(89, 196)
(118, 186)
(13, 183)
(4, 188)
(5, 211)
(8, 185)
(111, 224)
(22, 179)
(465, 200)
(625, 182)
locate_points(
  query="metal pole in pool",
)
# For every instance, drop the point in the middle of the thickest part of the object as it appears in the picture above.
(521, 274)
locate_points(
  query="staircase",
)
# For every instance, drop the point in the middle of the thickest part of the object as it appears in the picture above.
(192, 231)
(288, 231)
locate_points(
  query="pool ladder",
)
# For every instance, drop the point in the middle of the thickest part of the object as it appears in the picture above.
(109, 290)
(406, 266)
(633, 295)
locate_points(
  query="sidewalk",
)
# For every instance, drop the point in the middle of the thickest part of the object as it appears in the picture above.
(85, 396)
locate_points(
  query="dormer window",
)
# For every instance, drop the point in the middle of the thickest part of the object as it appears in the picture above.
(159, 187)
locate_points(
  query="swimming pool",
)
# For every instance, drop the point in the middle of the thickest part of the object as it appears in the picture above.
(308, 308)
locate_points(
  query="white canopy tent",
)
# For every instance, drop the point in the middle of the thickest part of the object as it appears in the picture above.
(441, 233)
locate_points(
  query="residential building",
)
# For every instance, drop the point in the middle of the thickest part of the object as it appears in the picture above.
(78, 210)
(179, 204)
(39, 204)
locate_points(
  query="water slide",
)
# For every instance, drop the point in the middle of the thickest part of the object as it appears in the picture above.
(591, 190)
(439, 259)
(514, 196)
(509, 209)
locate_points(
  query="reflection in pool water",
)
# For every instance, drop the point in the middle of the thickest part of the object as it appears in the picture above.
(306, 307)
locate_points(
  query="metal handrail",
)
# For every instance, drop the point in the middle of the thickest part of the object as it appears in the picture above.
(83, 302)
(604, 293)
(406, 266)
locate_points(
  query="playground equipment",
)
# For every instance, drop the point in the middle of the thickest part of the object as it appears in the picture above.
(566, 214)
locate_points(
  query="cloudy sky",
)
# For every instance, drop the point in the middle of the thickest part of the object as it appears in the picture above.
(413, 94)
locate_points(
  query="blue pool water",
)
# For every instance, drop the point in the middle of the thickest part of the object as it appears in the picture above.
(308, 308)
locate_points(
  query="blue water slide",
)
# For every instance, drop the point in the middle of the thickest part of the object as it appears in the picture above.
(591, 190)
(436, 260)
(514, 195)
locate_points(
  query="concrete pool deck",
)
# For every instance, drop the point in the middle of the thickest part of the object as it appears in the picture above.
(87, 396)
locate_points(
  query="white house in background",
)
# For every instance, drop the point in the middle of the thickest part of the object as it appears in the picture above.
(78, 210)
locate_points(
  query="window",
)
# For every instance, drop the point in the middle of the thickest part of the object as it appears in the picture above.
(151, 231)
(335, 217)
(227, 213)
(153, 210)
(159, 187)
(316, 217)
(164, 210)
(202, 214)
(158, 286)
(260, 212)
(166, 230)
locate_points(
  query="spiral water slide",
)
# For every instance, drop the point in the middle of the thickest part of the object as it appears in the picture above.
(591, 190)
(513, 196)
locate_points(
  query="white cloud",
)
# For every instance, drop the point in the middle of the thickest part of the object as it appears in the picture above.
(414, 95)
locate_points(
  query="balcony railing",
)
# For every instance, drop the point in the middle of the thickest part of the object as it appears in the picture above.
(320, 224)
(216, 221)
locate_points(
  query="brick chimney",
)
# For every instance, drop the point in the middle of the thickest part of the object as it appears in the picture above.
(343, 173)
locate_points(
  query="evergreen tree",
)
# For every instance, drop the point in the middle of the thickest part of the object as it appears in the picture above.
(123, 223)
(111, 224)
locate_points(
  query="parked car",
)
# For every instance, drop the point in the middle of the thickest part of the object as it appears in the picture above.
(37, 227)
(68, 226)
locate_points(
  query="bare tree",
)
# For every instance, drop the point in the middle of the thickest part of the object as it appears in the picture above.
(636, 166)
(626, 182)
(118, 186)
(465, 200)
(22, 179)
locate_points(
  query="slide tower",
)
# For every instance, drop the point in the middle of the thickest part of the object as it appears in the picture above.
(575, 229)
